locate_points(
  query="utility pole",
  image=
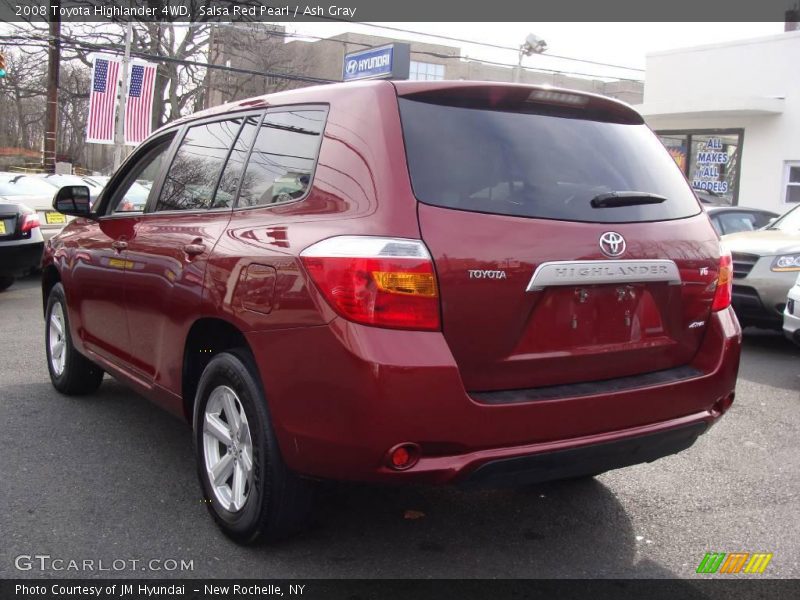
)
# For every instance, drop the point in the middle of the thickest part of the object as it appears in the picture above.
(119, 142)
(53, 65)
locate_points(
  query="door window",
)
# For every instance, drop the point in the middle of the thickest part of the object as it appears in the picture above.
(191, 182)
(131, 196)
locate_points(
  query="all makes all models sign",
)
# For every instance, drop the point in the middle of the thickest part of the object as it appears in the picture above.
(385, 62)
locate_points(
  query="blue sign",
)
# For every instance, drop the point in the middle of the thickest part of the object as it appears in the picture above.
(385, 62)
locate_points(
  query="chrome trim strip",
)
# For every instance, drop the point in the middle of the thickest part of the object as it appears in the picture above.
(591, 272)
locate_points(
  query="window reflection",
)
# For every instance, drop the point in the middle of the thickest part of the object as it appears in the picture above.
(282, 161)
(192, 177)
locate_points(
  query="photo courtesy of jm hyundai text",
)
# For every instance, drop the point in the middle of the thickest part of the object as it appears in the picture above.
(483, 285)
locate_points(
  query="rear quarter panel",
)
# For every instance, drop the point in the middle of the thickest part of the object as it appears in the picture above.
(360, 186)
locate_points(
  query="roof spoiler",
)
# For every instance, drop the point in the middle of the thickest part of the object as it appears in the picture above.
(521, 98)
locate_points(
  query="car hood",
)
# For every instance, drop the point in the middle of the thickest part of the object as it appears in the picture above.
(765, 242)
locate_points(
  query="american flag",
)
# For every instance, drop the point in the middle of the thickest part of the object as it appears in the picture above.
(102, 101)
(139, 106)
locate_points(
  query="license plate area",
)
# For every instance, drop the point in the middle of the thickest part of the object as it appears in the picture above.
(54, 218)
(608, 314)
(596, 316)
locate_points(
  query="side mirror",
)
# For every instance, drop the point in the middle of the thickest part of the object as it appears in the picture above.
(73, 200)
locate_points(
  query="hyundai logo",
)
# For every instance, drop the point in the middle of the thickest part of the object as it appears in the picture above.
(612, 244)
(351, 66)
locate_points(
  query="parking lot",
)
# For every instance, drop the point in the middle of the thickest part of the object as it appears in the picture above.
(110, 477)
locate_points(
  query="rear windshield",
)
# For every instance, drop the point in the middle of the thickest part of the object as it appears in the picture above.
(543, 166)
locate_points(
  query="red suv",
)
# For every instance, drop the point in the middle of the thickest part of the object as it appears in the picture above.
(440, 282)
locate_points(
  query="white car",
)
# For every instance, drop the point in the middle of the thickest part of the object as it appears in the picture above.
(36, 193)
(791, 314)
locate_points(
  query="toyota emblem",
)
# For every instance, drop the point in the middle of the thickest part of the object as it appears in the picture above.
(612, 244)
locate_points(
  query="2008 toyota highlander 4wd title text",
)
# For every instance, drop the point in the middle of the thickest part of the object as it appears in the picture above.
(441, 282)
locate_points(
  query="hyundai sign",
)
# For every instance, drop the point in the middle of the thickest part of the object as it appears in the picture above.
(385, 62)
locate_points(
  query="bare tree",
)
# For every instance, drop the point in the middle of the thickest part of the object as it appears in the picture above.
(181, 51)
(22, 104)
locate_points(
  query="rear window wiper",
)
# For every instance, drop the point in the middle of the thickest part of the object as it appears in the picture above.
(615, 199)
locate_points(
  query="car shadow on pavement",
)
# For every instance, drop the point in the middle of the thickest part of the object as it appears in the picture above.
(138, 496)
(561, 529)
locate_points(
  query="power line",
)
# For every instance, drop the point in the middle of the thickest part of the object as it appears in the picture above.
(496, 46)
(308, 79)
(345, 43)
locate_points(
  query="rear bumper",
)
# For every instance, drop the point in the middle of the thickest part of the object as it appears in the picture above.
(364, 390)
(19, 258)
(590, 459)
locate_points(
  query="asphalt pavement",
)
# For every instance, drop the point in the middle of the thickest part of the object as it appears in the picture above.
(111, 477)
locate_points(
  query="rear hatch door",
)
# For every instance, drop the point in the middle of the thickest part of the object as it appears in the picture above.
(568, 246)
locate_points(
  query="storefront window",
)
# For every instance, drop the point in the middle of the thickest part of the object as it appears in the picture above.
(710, 160)
(792, 182)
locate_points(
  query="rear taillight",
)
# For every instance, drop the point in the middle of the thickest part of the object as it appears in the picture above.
(385, 282)
(29, 222)
(722, 295)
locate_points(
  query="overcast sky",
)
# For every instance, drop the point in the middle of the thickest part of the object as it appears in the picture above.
(624, 44)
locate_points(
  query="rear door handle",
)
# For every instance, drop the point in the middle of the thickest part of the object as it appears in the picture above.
(194, 249)
(119, 245)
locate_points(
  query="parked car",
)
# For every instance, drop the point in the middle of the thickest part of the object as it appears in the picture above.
(471, 289)
(733, 219)
(36, 193)
(791, 314)
(765, 265)
(21, 242)
(59, 180)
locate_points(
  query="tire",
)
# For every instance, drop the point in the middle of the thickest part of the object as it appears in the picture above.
(273, 502)
(5, 283)
(71, 373)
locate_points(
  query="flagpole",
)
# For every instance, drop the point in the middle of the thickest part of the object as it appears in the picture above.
(123, 97)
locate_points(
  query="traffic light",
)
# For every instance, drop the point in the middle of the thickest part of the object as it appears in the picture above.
(2, 65)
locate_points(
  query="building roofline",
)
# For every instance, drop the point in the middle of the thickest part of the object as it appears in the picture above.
(778, 37)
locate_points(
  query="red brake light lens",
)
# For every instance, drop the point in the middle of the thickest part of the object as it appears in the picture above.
(29, 222)
(724, 291)
(384, 282)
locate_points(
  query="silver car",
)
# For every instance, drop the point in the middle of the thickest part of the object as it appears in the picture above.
(765, 266)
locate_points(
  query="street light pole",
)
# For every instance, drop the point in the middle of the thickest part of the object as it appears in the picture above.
(518, 68)
(532, 45)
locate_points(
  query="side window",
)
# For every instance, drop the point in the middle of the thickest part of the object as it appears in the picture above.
(132, 195)
(234, 168)
(191, 181)
(283, 158)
